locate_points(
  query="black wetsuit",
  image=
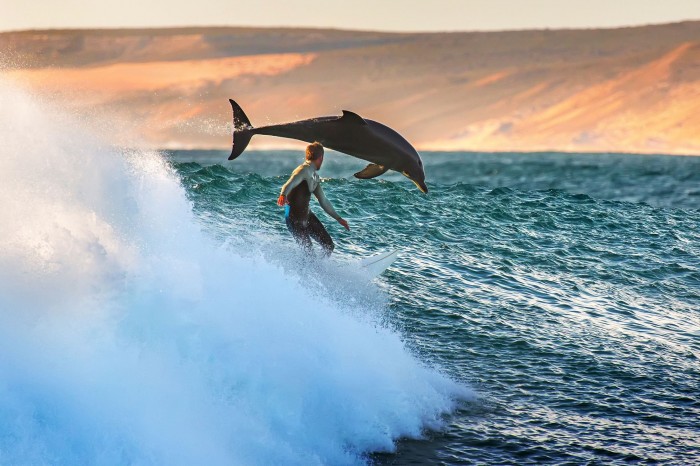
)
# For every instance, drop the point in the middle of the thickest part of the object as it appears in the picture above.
(301, 222)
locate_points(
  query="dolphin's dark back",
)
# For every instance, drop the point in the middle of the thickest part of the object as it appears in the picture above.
(311, 130)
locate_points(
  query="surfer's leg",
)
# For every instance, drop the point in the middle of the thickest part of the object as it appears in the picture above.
(300, 234)
(319, 233)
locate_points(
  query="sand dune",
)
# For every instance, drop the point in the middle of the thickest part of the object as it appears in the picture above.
(622, 90)
(152, 76)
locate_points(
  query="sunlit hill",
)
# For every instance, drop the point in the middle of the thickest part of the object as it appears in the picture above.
(622, 90)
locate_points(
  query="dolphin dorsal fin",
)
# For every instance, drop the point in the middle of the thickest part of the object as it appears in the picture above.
(352, 117)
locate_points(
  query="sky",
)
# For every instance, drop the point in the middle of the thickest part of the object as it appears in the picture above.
(385, 15)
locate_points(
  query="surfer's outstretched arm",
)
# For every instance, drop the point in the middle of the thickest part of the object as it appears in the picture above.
(325, 203)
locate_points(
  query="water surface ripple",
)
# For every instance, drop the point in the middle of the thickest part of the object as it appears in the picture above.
(565, 288)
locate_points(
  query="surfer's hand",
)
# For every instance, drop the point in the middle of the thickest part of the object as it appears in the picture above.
(344, 222)
(282, 200)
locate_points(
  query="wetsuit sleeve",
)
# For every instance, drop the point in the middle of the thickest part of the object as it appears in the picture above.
(293, 181)
(318, 192)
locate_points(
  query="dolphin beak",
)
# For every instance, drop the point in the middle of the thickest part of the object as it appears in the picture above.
(419, 184)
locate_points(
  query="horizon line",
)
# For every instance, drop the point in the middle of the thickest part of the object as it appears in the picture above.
(330, 28)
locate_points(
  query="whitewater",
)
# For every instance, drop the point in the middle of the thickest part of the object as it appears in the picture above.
(131, 334)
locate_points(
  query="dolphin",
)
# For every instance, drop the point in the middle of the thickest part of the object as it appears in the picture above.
(349, 133)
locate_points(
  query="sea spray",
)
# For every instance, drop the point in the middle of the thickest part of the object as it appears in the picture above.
(127, 336)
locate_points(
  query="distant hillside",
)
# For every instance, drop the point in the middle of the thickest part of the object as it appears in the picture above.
(626, 90)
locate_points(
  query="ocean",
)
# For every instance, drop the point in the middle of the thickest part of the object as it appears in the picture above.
(544, 309)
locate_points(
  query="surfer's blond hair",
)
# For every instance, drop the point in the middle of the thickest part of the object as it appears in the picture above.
(314, 151)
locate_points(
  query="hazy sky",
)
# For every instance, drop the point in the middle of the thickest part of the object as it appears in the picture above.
(390, 15)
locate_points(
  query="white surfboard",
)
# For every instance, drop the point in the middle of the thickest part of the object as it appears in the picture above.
(375, 265)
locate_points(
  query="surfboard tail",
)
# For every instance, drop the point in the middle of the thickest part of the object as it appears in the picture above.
(242, 130)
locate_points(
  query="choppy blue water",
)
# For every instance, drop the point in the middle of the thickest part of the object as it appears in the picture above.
(564, 288)
(154, 309)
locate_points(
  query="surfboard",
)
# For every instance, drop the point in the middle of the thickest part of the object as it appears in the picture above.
(375, 265)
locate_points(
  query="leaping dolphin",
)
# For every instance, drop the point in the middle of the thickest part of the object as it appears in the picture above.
(350, 133)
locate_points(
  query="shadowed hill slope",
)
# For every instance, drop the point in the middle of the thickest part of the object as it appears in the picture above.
(630, 90)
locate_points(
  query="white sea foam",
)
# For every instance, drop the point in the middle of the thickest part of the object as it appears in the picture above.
(128, 337)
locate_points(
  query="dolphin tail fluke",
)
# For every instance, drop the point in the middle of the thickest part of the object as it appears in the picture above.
(240, 142)
(242, 130)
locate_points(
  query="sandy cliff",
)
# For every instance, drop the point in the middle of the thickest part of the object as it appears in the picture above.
(626, 90)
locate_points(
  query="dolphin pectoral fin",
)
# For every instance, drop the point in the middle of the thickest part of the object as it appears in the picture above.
(353, 118)
(371, 171)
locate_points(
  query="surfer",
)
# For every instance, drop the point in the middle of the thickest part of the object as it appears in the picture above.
(295, 196)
